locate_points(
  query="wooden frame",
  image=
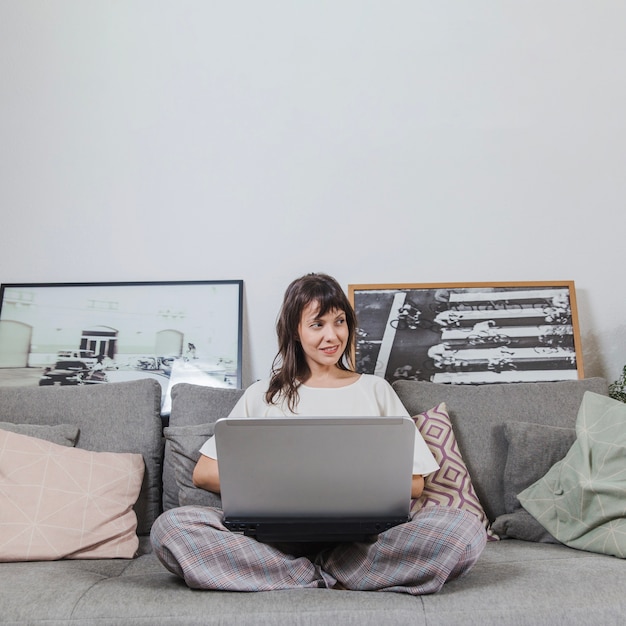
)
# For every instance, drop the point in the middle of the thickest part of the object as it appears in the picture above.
(92, 333)
(468, 333)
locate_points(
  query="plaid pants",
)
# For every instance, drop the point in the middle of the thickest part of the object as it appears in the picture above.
(438, 544)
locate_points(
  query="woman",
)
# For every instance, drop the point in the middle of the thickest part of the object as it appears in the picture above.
(311, 375)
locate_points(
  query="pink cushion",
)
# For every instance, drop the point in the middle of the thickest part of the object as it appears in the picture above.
(58, 502)
(451, 484)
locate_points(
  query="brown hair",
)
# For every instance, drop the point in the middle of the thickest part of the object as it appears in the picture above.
(290, 366)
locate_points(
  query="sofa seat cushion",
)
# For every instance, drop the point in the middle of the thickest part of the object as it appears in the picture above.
(60, 502)
(522, 583)
(514, 582)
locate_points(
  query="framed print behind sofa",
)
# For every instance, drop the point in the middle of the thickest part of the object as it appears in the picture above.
(468, 333)
(94, 333)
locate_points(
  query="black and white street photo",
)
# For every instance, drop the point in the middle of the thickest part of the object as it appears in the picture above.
(87, 334)
(468, 333)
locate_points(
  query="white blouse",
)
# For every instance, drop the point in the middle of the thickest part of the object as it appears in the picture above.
(368, 396)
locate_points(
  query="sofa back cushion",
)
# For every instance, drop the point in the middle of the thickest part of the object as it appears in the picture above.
(111, 417)
(61, 434)
(478, 414)
(191, 405)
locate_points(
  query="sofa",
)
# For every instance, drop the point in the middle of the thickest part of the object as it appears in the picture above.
(494, 438)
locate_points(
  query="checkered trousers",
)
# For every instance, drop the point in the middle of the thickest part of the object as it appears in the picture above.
(418, 557)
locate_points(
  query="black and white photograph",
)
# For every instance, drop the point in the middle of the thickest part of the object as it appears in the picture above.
(468, 333)
(96, 333)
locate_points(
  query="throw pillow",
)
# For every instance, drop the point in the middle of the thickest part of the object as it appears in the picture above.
(521, 525)
(191, 405)
(184, 449)
(63, 434)
(580, 500)
(532, 450)
(451, 485)
(58, 502)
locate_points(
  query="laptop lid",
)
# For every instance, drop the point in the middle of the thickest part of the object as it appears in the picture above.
(315, 478)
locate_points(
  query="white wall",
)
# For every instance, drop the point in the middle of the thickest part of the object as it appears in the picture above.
(379, 141)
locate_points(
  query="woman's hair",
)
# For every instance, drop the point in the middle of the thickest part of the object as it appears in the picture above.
(290, 367)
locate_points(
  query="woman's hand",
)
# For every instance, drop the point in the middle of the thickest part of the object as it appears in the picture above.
(417, 485)
(206, 475)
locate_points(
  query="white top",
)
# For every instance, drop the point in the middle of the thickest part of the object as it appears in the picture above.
(368, 396)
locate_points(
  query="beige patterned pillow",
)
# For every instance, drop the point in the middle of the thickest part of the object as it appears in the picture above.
(58, 502)
(451, 485)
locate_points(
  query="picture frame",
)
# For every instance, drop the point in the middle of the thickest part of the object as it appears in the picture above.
(468, 333)
(94, 333)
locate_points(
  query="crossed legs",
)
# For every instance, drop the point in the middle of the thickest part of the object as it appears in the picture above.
(418, 557)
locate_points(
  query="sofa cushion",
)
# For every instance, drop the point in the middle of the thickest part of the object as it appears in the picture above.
(451, 485)
(478, 414)
(521, 525)
(62, 434)
(112, 417)
(60, 502)
(532, 450)
(514, 582)
(192, 405)
(184, 450)
(580, 500)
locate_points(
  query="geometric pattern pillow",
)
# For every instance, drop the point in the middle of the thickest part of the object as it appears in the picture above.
(59, 502)
(451, 485)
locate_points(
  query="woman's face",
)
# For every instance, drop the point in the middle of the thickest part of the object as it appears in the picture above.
(323, 339)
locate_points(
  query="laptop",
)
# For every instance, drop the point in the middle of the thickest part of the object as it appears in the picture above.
(326, 479)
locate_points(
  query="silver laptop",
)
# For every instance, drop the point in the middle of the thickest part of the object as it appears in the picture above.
(315, 478)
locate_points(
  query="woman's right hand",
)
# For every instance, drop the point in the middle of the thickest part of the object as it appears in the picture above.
(206, 475)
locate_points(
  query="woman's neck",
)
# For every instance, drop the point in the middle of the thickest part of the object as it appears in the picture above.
(330, 378)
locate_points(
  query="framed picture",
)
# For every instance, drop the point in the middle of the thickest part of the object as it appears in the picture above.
(96, 333)
(468, 333)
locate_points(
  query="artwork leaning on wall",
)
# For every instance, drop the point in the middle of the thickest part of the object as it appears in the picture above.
(94, 333)
(468, 333)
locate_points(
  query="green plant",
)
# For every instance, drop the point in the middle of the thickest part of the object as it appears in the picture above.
(617, 390)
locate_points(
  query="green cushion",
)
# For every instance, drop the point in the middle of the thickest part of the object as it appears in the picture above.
(580, 500)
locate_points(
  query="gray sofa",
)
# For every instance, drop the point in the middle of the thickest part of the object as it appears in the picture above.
(515, 582)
